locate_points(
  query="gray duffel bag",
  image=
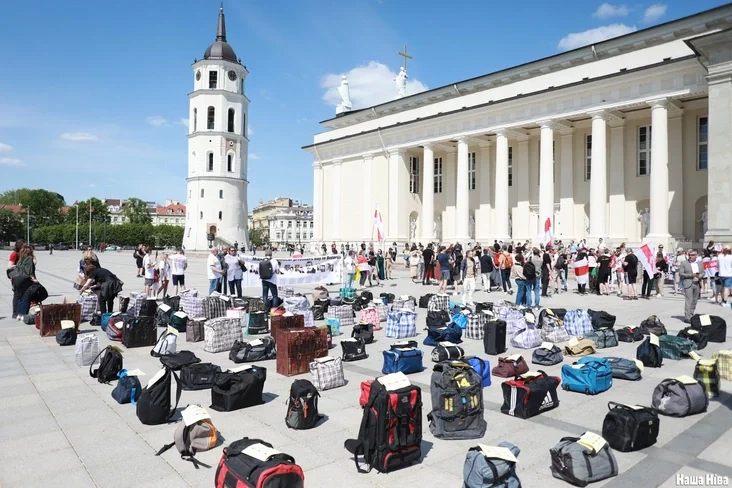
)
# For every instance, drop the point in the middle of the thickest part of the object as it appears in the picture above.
(480, 471)
(580, 465)
(603, 338)
(547, 357)
(678, 399)
(624, 369)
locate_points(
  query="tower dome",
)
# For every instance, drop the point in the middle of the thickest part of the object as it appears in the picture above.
(221, 49)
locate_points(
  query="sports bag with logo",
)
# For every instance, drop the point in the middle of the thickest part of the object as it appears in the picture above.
(675, 347)
(481, 470)
(234, 390)
(260, 349)
(364, 332)
(445, 351)
(624, 369)
(482, 367)
(680, 397)
(253, 463)
(167, 344)
(602, 319)
(630, 427)
(449, 333)
(198, 376)
(706, 372)
(588, 375)
(128, 388)
(699, 337)
(652, 325)
(327, 373)
(457, 402)
(583, 347)
(510, 366)
(110, 363)
(547, 356)
(353, 349)
(438, 318)
(302, 407)
(527, 396)
(649, 353)
(138, 332)
(154, 405)
(629, 334)
(714, 326)
(403, 358)
(195, 435)
(603, 338)
(390, 436)
(580, 465)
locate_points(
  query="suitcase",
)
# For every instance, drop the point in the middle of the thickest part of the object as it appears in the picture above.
(494, 337)
(297, 348)
(194, 329)
(50, 317)
(139, 332)
(282, 322)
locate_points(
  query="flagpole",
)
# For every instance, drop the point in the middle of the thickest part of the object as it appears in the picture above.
(27, 237)
(77, 225)
(90, 212)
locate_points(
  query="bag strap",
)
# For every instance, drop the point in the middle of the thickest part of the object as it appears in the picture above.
(178, 391)
(94, 374)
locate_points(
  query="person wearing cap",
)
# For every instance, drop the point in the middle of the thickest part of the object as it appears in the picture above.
(725, 272)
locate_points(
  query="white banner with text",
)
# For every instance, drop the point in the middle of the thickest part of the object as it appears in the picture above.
(296, 271)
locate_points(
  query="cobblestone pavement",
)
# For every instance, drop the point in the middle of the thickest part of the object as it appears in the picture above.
(60, 428)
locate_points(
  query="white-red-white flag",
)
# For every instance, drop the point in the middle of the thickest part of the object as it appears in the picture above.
(646, 254)
(548, 235)
(582, 271)
(379, 225)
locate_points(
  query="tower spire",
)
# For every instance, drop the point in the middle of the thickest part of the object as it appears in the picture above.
(221, 29)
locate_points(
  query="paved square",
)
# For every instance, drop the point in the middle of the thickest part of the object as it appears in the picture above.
(59, 427)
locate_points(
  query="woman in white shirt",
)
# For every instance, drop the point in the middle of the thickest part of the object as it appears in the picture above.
(164, 273)
(234, 272)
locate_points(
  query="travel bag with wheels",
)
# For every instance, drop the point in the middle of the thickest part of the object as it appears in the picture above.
(679, 397)
(457, 402)
(630, 427)
(154, 405)
(253, 463)
(494, 337)
(590, 375)
(580, 463)
(302, 407)
(529, 395)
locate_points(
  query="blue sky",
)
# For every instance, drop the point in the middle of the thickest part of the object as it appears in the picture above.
(93, 94)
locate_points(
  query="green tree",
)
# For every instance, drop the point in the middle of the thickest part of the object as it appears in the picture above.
(45, 206)
(100, 213)
(11, 226)
(257, 237)
(136, 211)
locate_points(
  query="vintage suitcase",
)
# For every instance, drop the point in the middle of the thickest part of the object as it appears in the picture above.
(297, 348)
(51, 316)
(282, 322)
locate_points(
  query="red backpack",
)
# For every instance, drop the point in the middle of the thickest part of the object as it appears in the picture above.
(253, 463)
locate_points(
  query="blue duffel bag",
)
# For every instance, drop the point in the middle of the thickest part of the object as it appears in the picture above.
(450, 333)
(482, 367)
(460, 320)
(590, 375)
(405, 358)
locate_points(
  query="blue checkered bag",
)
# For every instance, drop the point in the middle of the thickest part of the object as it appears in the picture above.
(347, 292)
(334, 325)
(528, 338)
(401, 324)
(515, 322)
(578, 323)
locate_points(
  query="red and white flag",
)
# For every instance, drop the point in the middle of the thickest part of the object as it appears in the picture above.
(646, 254)
(379, 225)
(76, 203)
(548, 235)
(582, 271)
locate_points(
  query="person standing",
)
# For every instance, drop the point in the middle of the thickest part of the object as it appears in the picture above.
(517, 273)
(661, 270)
(148, 264)
(581, 270)
(139, 254)
(179, 264)
(234, 272)
(630, 266)
(24, 277)
(505, 263)
(690, 275)
(269, 280)
(413, 261)
(470, 270)
(349, 269)
(443, 258)
(12, 262)
(380, 268)
(546, 272)
(535, 286)
(389, 259)
(679, 258)
(486, 270)
(604, 262)
(164, 272)
(214, 270)
(373, 271)
(724, 262)
(428, 256)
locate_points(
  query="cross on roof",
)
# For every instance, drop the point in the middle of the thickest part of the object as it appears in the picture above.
(405, 56)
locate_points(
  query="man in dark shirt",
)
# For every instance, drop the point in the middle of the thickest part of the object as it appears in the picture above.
(428, 254)
(630, 266)
(486, 268)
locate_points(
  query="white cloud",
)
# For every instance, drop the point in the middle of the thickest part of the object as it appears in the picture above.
(607, 10)
(654, 12)
(253, 156)
(591, 36)
(78, 136)
(11, 162)
(92, 185)
(249, 130)
(183, 121)
(5, 147)
(156, 121)
(370, 85)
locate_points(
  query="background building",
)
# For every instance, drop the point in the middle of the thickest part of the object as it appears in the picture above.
(262, 212)
(291, 225)
(172, 213)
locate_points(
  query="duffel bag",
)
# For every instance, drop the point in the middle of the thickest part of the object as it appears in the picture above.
(482, 367)
(624, 369)
(675, 347)
(680, 397)
(254, 463)
(527, 396)
(603, 338)
(447, 351)
(630, 427)
(510, 366)
(485, 469)
(580, 465)
(629, 334)
(450, 333)
(364, 332)
(547, 355)
(590, 375)
(713, 325)
(582, 347)
(653, 325)
(257, 350)
(438, 318)
(699, 337)
(602, 319)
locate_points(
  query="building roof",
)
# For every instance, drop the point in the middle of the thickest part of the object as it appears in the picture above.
(221, 49)
(12, 208)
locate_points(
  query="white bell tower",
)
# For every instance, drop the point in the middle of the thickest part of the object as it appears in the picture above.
(218, 146)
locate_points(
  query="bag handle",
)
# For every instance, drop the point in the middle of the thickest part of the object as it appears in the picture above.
(94, 374)
(178, 391)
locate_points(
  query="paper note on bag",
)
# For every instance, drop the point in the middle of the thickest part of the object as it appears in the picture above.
(530, 374)
(705, 320)
(194, 413)
(654, 340)
(135, 372)
(225, 298)
(68, 324)
(692, 331)
(164, 308)
(633, 407)
(693, 355)
(155, 378)
(394, 381)
(513, 357)
(324, 359)
(256, 342)
(639, 364)
(573, 342)
(592, 441)
(447, 344)
(172, 330)
(241, 368)
(687, 380)
(546, 345)
(497, 452)
(260, 451)
(530, 319)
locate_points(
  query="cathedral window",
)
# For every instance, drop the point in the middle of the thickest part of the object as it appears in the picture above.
(644, 150)
(438, 175)
(221, 193)
(702, 155)
(219, 214)
(244, 125)
(195, 119)
(588, 156)
(510, 166)
(211, 117)
(213, 77)
(229, 163)
(413, 174)
(471, 171)
(230, 124)
(201, 192)
(209, 166)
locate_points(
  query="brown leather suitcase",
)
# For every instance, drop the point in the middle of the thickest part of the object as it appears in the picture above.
(282, 322)
(296, 348)
(52, 315)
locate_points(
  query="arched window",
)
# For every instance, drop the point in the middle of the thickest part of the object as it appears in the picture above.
(212, 79)
(211, 116)
(229, 163)
(195, 119)
(201, 192)
(210, 162)
(231, 120)
(221, 193)
(219, 214)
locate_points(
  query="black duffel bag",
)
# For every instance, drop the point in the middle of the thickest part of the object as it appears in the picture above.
(630, 428)
(242, 389)
(601, 319)
(439, 318)
(199, 376)
(257, 350)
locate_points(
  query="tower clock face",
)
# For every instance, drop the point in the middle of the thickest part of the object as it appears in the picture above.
(232, 75)
(198, 75)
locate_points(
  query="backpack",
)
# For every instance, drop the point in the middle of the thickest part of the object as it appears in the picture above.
(457, 402)
(650, 354)
(66, 337)
(192, 437)
(264, 467)
(482, 470)
(198, 376)
(482, 367)
(154, 405)
(257, 350)
(234, 390)
(580, 465)
(680, 397)
(530, 271)
(128, 388)
(110, 364)
(167, 344)
(389, 437)
(353, 349)
(630, 427)
(508, 262)
(653, 325)
(266, 271)
(302, 407)
(624, 369)
(590, 375)
(364, 332)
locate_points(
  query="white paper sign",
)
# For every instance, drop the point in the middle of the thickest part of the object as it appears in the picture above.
(530, 319)
(497, 452)
(546, 345)
(513, 357)
(225, 298)
(155, 378)
(692, 331)
(172, 330)
(447, 344)
(639, 364)
(260, 451)
(164, 307)
(530, 374)
(573, 341)
(194, 413)
(633, 407)
(135, 372)
(705, 320)
(687, 380)
(68, 324)
(325, 359)
(181, 314)
(654, 340)
(394, 381)
(243, 367)
(256, 342)
(592, 441)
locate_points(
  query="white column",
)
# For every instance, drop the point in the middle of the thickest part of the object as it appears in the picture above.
(336, 208)
(546, 177)
(483, 215)
(520, 222)
(428, 195)
(396, 189)
(676, 175)
(318, 200)
(719, 177)
(659, 172)
(501, 187)
(598, 177)
(566, 187)
(616, 212)
(368, 207)
(462, 201)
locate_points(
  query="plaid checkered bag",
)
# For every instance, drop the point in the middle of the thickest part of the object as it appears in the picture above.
(439, 302)
(214, 307)
(256, 304)
(578, 323)
(297, 304)
(88, 304)
(334, 325)
(527, 339)
(347, 292)
(369, 316)
(552, 330)
(308, 316)
(515, 322)
(327, 373)
(382, 309)
(674, 347)
(192, 304)
(220, 333)
(136, 302)
(287, 292)
(724, 363)
(401, 324)
(476, 326)
(401, 304)
(501, 309)
(344, 313)
(706, 372)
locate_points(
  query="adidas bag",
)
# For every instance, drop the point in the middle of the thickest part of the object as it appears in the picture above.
(235, 390)
(153, 405)
(457, 402)
(167, 344)
(195, 434)
(110, 363)
(547, 355)
(260, 349)
(492, 469)
(198, 376)
(302, 407)
(353, 349)
(253, 463)
(445, 351)
(624, 369)
(580, 465)
(128, 388)
(680, 397)
(630, 427)
(588, 375)
(529, 395)
(649, 352)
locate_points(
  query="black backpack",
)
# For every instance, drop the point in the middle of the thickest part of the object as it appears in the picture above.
(529, 271)
(242, 389)
(649, 354)
(256, 350)
(266, 271)
(302, 407)
(66, 337)
(153, 406)
(109, 365)
(199, 376)
(364, 332)
(367, 296)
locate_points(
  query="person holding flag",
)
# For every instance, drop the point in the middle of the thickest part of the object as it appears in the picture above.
(582, 271)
